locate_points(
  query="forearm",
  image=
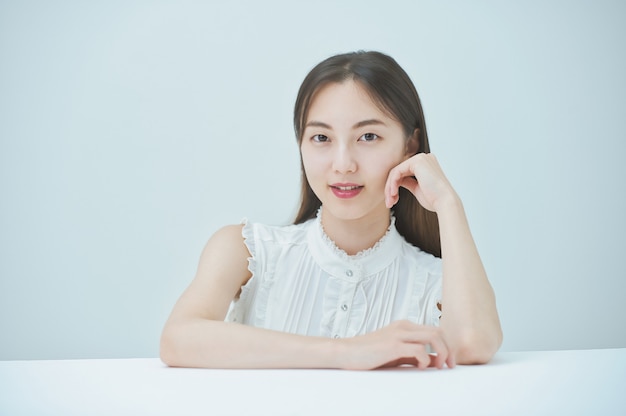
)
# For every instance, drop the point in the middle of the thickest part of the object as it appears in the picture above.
(216, 344)
(469, 315)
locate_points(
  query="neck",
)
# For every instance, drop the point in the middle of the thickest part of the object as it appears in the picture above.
(353, 236)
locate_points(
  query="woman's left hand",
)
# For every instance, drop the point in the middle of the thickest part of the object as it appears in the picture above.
(424, 178)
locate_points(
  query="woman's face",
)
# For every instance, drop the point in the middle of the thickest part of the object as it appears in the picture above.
(348, 147)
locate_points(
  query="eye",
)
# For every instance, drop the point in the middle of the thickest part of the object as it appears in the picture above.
(319, 138)
(369, 137)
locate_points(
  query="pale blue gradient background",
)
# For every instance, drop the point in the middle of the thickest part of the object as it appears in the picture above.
(131, 131)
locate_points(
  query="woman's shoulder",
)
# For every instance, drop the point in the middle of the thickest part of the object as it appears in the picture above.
(251, 235)
(290, 234)
(421, 258)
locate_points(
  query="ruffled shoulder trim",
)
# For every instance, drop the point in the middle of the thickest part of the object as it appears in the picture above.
(247, 232)
(238, 307)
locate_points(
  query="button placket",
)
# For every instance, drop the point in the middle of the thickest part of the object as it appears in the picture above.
(344, 304)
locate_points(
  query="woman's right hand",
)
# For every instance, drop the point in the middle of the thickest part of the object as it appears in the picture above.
(401, 342)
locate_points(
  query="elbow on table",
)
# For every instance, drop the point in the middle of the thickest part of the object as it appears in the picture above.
(170, 349)
(477, 348)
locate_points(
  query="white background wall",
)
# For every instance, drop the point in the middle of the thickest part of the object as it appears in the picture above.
(131, 131)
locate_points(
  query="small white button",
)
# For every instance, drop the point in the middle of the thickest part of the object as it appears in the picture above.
(344, 307)
(349, 273)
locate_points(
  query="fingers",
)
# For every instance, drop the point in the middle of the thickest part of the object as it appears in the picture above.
(400, 361)
(395, 179)
(401, 342)
(415, 354)
(451, 362)
(416, 338)
(423, 177)
(407, 174)
(441, 353)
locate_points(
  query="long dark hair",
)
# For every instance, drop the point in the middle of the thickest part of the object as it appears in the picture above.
(391, 88)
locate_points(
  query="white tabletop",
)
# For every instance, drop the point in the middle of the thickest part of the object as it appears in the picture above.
(524, 383)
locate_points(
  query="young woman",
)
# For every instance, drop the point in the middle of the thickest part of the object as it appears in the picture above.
(379, 269)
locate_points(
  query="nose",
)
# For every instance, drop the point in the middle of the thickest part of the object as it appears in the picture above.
(344, 160)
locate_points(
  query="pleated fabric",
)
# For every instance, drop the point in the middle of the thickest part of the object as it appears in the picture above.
(303, 283)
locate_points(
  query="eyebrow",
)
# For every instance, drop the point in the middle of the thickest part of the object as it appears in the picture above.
(363, 123)
(370, 122)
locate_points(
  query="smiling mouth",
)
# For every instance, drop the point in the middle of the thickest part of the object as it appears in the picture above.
(347, 188)
(346, 191)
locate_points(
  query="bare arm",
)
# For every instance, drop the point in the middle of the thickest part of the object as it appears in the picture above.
(469, 319)
(196, 335)
(469, 316)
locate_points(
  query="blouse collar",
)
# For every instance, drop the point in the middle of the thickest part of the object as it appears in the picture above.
(338, 263)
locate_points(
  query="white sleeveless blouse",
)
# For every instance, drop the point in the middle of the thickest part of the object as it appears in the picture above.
(303, 283)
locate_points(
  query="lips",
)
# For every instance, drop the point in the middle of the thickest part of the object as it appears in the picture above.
(346, 190)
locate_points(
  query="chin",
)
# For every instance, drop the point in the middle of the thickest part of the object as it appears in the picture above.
(352, 211)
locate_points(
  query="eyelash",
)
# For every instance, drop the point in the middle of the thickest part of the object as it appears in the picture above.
(320, 138)
(375, 137)
(316, 138)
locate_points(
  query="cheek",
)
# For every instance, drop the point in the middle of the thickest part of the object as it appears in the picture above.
(312, 161)
(380, 166)
(312, 165)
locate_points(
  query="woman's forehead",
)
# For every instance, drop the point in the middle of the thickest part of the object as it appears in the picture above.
(351, 99)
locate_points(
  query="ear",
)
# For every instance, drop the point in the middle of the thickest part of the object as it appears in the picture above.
(412, 143)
